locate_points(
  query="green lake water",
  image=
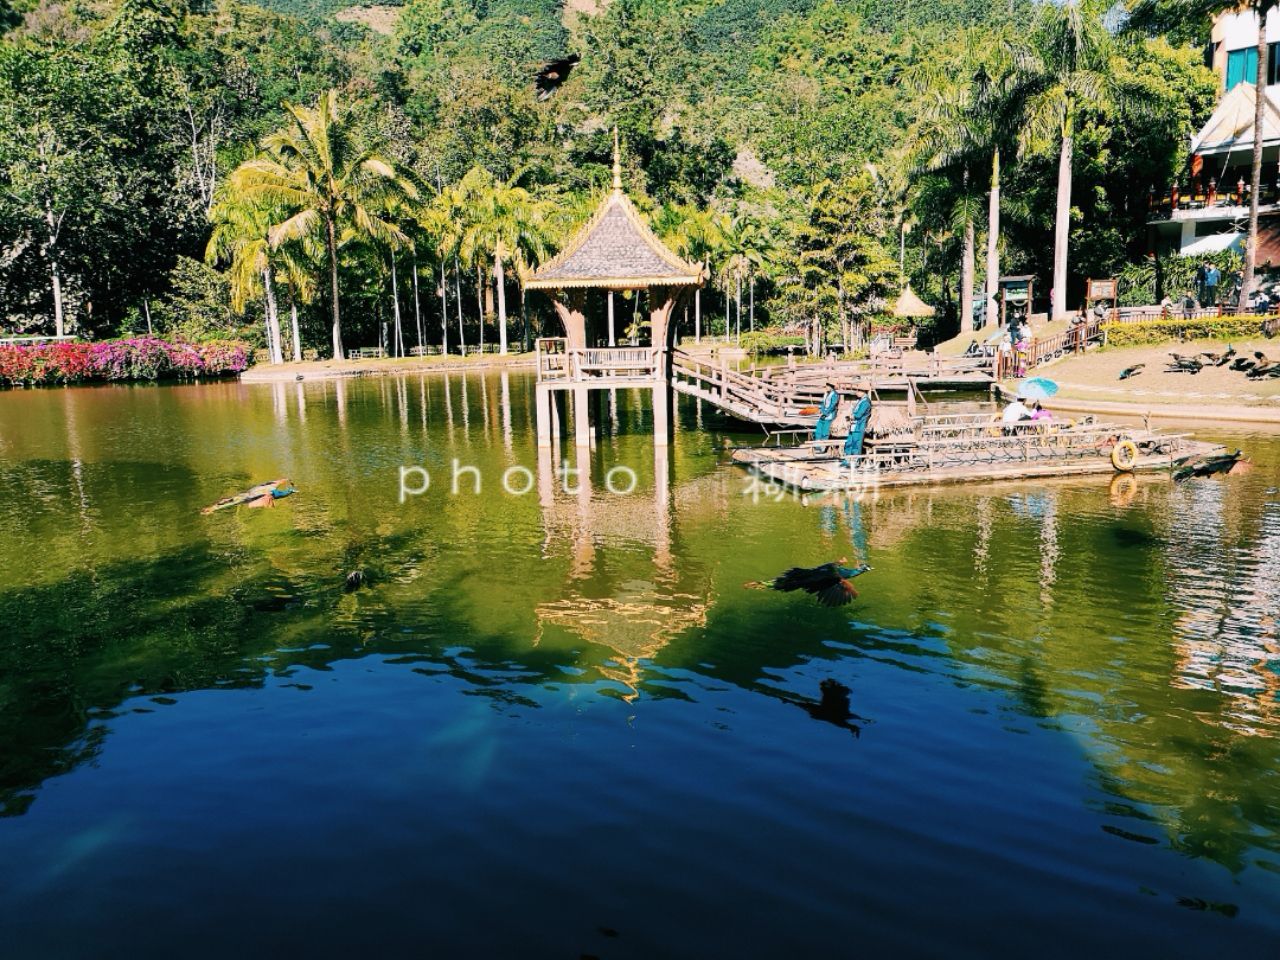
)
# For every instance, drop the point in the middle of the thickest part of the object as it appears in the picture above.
(557, 724)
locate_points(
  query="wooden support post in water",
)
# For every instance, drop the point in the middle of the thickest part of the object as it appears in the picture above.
(544, 412)
(581, 418)
(661, 420)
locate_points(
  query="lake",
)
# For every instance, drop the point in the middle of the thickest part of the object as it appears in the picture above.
(554, 722)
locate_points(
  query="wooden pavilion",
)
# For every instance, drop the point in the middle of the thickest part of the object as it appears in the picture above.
(615, 251)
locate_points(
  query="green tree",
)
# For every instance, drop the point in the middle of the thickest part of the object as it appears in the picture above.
(698, 235)
(242, 236)
(839, 271)
(972, 95)
(503, 222)
(58, 140)
(327, 185)
(1075, 75)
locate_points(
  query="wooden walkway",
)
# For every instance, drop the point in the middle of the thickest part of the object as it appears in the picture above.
(787, 395)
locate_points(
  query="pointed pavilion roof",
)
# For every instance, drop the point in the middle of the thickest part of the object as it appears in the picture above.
(910, 305)
(615, 250)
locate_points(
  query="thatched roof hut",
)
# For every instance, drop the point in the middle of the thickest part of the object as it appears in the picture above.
(909, 305)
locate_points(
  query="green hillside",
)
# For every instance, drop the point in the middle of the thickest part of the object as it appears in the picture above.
(788, 143)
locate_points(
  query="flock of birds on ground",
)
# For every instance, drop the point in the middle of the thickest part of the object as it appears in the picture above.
(1256, 369)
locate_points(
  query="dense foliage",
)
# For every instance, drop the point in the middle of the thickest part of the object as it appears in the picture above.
(783, 143)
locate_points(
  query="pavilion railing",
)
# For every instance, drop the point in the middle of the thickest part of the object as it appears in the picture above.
(557, 361)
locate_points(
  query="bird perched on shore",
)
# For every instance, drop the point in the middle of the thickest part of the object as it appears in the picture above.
(830, 582)
(1223, 463)
(1218, 359)
(1133, 371)
(1242, 363)
(1263, 368)
(551, 75)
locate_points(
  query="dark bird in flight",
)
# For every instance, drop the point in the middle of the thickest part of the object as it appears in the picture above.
(551, 75)
(830, 583)
(1133, 371)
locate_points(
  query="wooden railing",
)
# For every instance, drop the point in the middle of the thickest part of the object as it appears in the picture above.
(1042, 349)
(556, 360)
(552, 358)
(752, 397)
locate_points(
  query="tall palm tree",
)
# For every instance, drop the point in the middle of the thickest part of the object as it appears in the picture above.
(972, 99)
(1075, 53)
(505, 222)
(241, 236)
(697, 234)
(327, 184)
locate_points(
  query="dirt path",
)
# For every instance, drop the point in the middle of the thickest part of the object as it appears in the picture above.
(330, 370)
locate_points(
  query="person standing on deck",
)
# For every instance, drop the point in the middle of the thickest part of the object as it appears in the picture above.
(857, 429)
(827, 413)
(1211, 277)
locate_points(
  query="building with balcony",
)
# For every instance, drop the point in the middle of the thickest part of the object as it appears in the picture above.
(1207, 209)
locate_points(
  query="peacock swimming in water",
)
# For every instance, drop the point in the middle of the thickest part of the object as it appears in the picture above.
(830, 582)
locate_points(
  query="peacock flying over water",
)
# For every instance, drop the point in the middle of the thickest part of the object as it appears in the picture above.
(831, 583)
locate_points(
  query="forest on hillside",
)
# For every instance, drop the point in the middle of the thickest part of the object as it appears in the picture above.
(158, 158)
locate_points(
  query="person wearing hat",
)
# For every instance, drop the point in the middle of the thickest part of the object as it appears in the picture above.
(827, 413)
(858, 428)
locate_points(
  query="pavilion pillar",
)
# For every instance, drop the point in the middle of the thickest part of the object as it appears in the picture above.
(570, 310)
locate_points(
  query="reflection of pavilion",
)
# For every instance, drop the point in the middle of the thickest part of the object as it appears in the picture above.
(634, 617)
(636, 623)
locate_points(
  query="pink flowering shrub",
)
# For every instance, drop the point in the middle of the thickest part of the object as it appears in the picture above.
(133, 358)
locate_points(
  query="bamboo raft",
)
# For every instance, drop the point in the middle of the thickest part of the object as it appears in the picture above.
(966, 448)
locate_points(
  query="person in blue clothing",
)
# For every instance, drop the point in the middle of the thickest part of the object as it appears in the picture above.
(1211, 278)
(858, 428)
(827, 413)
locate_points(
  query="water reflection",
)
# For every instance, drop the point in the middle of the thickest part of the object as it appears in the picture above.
(1137, 631)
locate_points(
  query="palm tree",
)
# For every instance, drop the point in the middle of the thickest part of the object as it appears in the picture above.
(504, 221)
(1074, 49)
(241, 236)
(697, 234)
(971, 102)
(326, 184)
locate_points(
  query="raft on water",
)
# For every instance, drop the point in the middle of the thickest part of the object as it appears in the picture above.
(964, 448)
